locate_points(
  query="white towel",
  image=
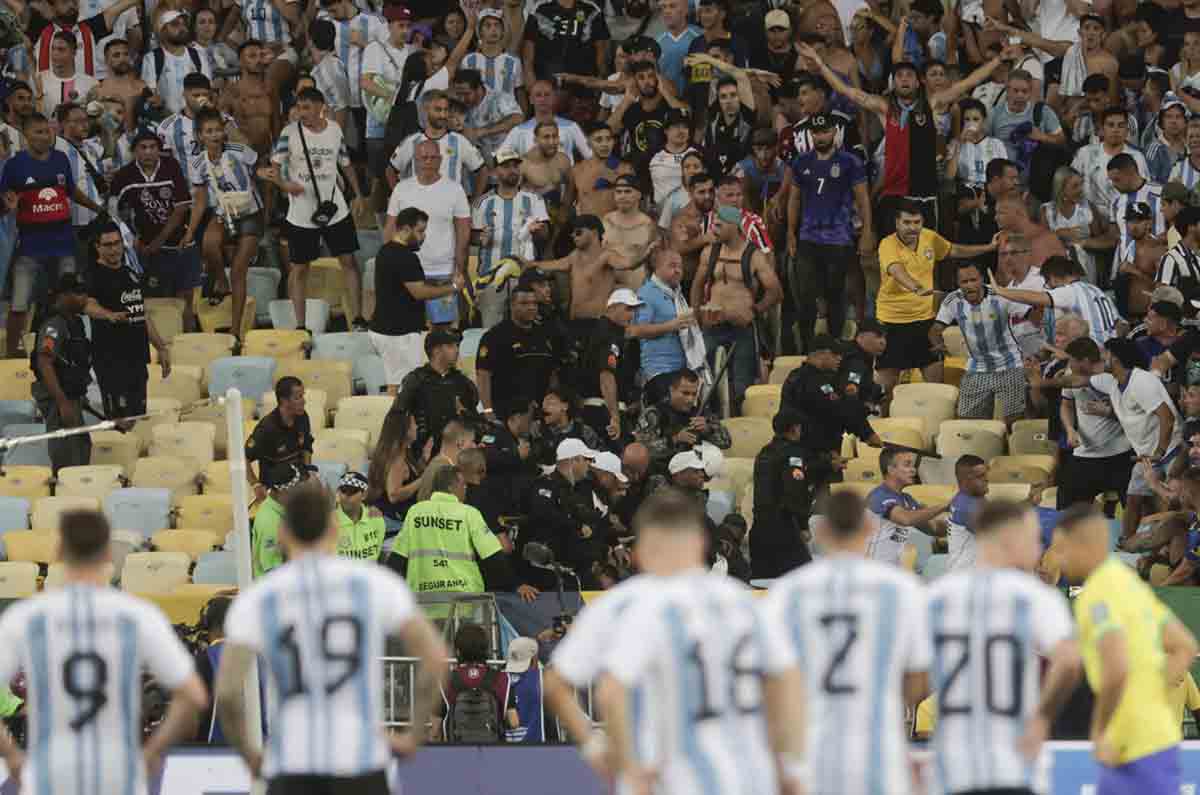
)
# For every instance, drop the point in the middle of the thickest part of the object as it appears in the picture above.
(689, 336)
(1074, 72)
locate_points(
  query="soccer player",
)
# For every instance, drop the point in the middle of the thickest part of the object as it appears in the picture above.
(320, 622)
(1135, 653)
(83, 648)
(856, 631)
(989, 625)
(1069, 292)
(694, 649)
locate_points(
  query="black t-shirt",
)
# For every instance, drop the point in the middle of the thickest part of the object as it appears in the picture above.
(644, 131)
(782, 64)
(124, 344)
(607, 351)
(564, 38)
(272, 442)
(396, 311)
(521, 361)
(726, 144)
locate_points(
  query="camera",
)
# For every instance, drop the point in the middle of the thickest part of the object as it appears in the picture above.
(562, 622)
(325, 213)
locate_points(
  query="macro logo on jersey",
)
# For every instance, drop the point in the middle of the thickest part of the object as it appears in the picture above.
(48, 205)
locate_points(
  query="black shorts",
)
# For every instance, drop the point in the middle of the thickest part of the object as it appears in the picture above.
(304, 245)
(370, 784)
(122, 392)
(907, 346)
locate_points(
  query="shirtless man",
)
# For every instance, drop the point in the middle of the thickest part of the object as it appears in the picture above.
(1137, 256)
(546, 171)
(630, 231)
(122, 84)
(689, 232)
(590, 198)
(727, 316)
(1091, 40)
(252, 101)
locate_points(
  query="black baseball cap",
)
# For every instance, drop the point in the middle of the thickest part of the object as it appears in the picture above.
(902, 65)
(146, 134)
(676, 116)
(530, 277)
(787, 418)
(824, 342)
(439, 337)
(1138, 211)
(1168, 310)
(821, 121)
(626, 181)
(593, 222)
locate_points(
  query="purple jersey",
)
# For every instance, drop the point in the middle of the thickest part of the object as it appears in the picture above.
(828, 196)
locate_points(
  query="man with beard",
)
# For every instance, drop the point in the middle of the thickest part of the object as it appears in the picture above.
(809, 97)
(178, 132)
(505, 222)
(780, 55)
(593, 178)
(641, 117)
(629, 231)
(490, 113)
(88, 32)
(252, 99)
(121, 85)
(1136, 261)
(542, 97)
(831, 184)
(546, 169)
(689, 228)
(460, 157)
(165, 68)
(765, 181)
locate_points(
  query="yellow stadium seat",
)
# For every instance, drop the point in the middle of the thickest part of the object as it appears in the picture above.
(955, 344)
(996, 427)
(204, 591)
(185, 383)
(934, 403)
(316, 403)
(366, 412)
(201, 349)
(154, 572)
(860, 488)
(115, 448)
(908, 431)
(56, 575)
(325, 281)
(193, 440)
(740, 472)
(98, 480)
(749, 434)
(466, 366)
(211, 318)
(36, 546)
(961, 440)
(1014, 473)
(1045, 463)
(213, 415)
(206, 512)
(217, 478)
(332, 376)
(1030, 437)
(762, 400)
(29, 482)
(863, 470)
(276, 343)
(18, 579)
(161, 472)
(48, 510)
(953, 369)
(165, 411)
(1008, 491)
(167, 316)
(179, 609)
(783, 367)
(192, 543)
(15, 379)
(849, 445)
(930, 495)
(341, 445)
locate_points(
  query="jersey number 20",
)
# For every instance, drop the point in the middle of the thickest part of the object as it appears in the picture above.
(950, 644)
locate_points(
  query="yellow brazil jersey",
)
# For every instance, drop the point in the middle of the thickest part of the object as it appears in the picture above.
(1184, 699)
(895, 304)
(1114, 598)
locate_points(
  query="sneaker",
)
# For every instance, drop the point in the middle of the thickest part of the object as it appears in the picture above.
(359, 324)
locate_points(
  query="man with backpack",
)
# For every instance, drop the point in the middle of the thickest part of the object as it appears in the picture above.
(473, 700)
(167, 66)
(1031, 131)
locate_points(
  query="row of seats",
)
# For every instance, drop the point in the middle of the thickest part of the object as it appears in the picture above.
(141, 510)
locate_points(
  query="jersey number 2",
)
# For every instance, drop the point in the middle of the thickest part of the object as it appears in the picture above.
(85, 676)
(349, 654)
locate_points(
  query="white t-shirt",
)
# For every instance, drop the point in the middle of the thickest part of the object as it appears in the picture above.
(381, 58)
(459, 155)
(666, 173)
(58, 91)
(1100, 437)
(444, 201)
(328, 151)
(1135, 405)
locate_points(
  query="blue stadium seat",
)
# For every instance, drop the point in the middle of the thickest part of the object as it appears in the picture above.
(35, 454)
(263, 285)
(253, 375)
(316, 314)
(216, 568)
(17, 412)
(144, 511)
(720, 505)
(470, 342)
(14, 514)
(330, 472)
(369, 370)
(347, 345)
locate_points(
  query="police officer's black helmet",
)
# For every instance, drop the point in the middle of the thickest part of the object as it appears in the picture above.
(787, 419)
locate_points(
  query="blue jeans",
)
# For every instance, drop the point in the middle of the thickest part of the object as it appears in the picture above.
(743, 370)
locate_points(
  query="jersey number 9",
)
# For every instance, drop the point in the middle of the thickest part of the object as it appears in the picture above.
(85, 675)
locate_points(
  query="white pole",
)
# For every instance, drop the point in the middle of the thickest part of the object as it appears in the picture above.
(241, 543)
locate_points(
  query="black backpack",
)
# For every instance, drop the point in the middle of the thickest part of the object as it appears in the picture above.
(1045, 160)
(474, 716)
(160, 60)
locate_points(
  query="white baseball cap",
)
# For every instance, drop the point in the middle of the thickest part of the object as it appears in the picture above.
(521, 654)
(608, 462)
(688, 459)
(492, 13)
(572, 448)
(170, 16)
(625, 297)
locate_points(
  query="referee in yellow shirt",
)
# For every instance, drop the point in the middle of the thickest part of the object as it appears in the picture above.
(1135, 653)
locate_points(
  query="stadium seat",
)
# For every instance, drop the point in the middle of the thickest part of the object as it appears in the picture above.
(214, 319)
(36, 454)
(1049, 498)
(907, 435)
(934, 403)
(930, 495)
(863, 470)
(316, 405)
(183, 384)
(860, 488)
(190, 440)
(330, 472)
(344, 446)
(217, 478)
(961, 440)
(48, 510)
(154, 572)
(203, 591)
(29, 482)
(97, 481)
(262, 284)
(35, 546)
(1037, 460)
(18, 579)
(275, 343)
(1008, 491)
(16, 377)
(1018, 469)
(953, 369)
(783, 367)
(749, 435)
(740, 472)
(214, 414)
(1031, 437)
(14, 513)
(56, 574)
(922, 544)
(192, 543)
(167, 316)
(325, 281)
(762, 400)
(216, 568)
(164, 411)
(349, 346)
(206, 512)
(283, 315)
(174, 474)
(955, 344)
(201, 349)
(469, 346)
(365, 412)
(140, 510)
(335, 378)
(116, 449)
(992, 426)
(936, 566)
(17, 412)
(252, 375)
(368, 371)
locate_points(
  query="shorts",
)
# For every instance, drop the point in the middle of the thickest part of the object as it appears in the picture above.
(371, 784)
(122, 393)
(907, 346)
(31, 280)
(246, 225)
(173, 271)
(401, 354)
(1156, 774)
(304, 244)
(1138, 486)
(978, 392)
(1081, 479)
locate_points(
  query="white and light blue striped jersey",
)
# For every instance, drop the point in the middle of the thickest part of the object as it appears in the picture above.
(987, 332)
(854, 627)
(1151, 194)
(696, 649)
(232, 171)
(178, 134)
(169, 81)
(1086, 299)
(83, 650)
(571, 140)
(459, 155)
(889, 539)
(122, 154)
(1186, 172)
(387, 62)
(332, 82)
(500, 73)
(507, 219)
(320, 624)
(265, 22)
(18, 63)
(368, 28)
(988, 627)
(91, 152)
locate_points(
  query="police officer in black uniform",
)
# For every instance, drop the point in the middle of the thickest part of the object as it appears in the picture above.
(507, 448)
(814, 390)
(563, 515)
(787, 476)
(62, 364)
(607, 375)
(517, 356)
(437, 391)
(857, 371)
